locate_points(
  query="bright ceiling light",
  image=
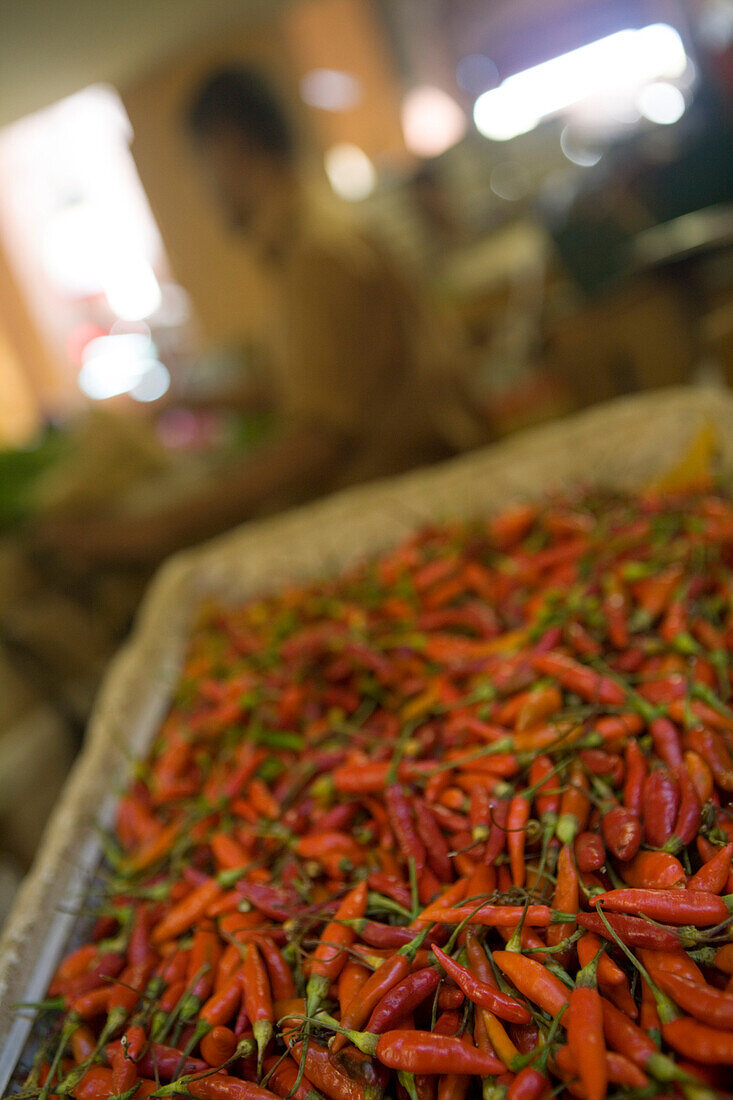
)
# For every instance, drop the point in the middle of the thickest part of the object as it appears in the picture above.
(131, 288)
(154, 383)
(350, 172)
(123, 363)
(432, 122)
(330, 90)
(627, 59)
(661, 103)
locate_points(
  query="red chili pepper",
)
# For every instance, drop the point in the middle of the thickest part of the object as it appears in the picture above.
(497, 835)
(403, 998)
(713, 1007)
(542, 779)
(667, 742)
(619, 1070)
(258, 999)
(661, 804)
(517, 818)
(426, 1052)
(586, 1040)
(384, 978)
(636, 770)
(400, 816)
(330, 955)
(589, 851)
(574, 805)
(533, 980)
(566, 897)
(708, 1045)
(621, 830)
(711, 746)
(482, 994)
(578, 678)
(653, 871)
(326, 1077)
(633, 931)
(434, 841)
(182, 916)
(282, 1075)
(713, 875)
(218, 1046)
(672, 906)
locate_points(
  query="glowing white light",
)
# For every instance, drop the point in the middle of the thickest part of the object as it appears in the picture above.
(627, 59)
(576, 151)
(71, 249)
(112, 365)
(431, 121)
(350, 172)
(476, 73)
(661, 103)
(330, 90)
(131, 288)
(154, 383)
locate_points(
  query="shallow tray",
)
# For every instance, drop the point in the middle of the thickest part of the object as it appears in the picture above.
(623, 444)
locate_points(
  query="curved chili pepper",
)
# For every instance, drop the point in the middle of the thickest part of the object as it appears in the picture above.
(586, 1040)
(566, 899)
(619, 1070)
(533, 980)
(589, 851)
(330, 955)
(327, 1077)
(282, 1074)
(182, 916)
(636, 771)
(384, 978)
(258, 1000)
(667, 741)
(481, 993)
(403, 998)
(621, 830)
(435, 844)
(711, 746)
(517, 818)
(713, 875)
(497, 835)
(400, 816)
(574, 805)
(624, 1036)
(633, 931)
(578, 678)
(711, 1006)
(500, 916)
(672, 906)
(588, 947)
(660, 805)
(218, 1046)
(701, 776)
(653, 871)
(426, 1052)
(708, 1045)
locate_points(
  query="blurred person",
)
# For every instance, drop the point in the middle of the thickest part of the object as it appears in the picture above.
(353, 356)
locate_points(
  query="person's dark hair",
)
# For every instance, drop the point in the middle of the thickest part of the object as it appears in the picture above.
(241, 99)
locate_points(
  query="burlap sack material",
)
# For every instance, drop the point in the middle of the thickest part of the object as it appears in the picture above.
(622, 444)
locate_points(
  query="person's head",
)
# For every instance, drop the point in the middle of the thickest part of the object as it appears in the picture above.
(247, 149)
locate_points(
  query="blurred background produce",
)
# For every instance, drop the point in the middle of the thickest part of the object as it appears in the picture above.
(555, 175)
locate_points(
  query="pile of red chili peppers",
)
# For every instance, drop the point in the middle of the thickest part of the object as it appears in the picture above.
(456, 824)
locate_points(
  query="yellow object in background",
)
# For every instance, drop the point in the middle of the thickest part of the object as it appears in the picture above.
(696, 467)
